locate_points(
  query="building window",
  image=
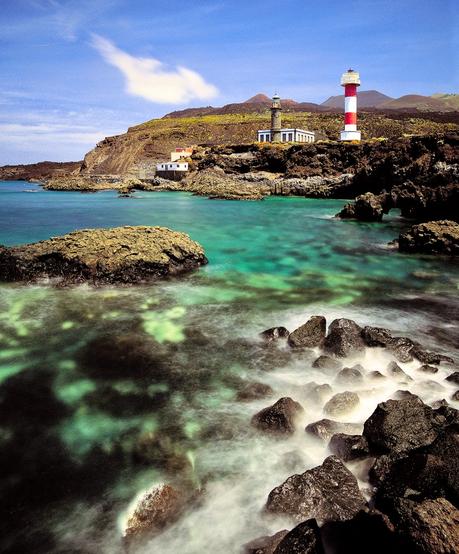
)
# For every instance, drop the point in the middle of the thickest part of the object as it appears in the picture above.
(290, 137)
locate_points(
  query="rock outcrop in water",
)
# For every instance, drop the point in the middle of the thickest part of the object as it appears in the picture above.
(279, 418)
(118, 255)
(435, 237)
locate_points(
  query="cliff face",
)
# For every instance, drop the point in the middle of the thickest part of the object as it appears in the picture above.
(136, 152)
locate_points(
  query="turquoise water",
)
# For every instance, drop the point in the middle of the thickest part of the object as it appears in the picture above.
(104, 392)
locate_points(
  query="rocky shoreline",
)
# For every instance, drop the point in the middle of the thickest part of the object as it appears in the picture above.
(410, 450)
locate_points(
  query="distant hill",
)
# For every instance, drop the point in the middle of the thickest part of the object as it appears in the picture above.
(367, 99)
(418, 102)
(256, 104)
(451, 100)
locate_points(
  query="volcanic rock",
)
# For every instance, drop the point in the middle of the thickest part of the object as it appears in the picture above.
(344, 338)
(367, 207)
(117, 255)
(309, 335)
(429, 527)
(325, 428)
(376, 336)
(401, 348)
(316, 393)
(428, 368)
(264, 545)
(349, 447)
(327, 493)
(303, 539)
(435, 237)
(399, 426)
(278, 418)
(342, 403)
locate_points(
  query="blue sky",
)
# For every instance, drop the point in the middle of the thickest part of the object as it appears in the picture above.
(74, 71)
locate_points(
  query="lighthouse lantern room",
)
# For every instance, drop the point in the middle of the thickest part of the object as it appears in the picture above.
(350, 81)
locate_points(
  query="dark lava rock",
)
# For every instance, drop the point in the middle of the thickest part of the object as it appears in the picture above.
(399, 426)
(401, 394)
(325, 362)
(264, 545)
(344, 338)
(428, 368)
(254, 391)
(157, 509)
(274, 334)
(118, 255)
(303, 539)
(401, 348)
(453, 378)
(434, 237)
(278, 418)
(327, 493)
(394, 369)
(349, 447)
(325, 428)
(455, 396)
(426, 357)
(376, 336)
(428, 527)
(370, 531)
(349, 375)
(342, 403)
(309, 335)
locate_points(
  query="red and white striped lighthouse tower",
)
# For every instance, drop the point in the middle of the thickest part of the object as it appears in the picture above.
(350, 81)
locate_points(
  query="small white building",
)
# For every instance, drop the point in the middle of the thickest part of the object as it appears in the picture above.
(288, 135)
(172, 166)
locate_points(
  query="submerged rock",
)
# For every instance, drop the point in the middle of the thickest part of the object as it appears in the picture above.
(453, 378)
(278, 418)
(327, 493)
(326, 362)
(435, 237)
(157, 509)
(426, 368)
(399, 426)
(394, 369)
(117, 255)
(344, 338)
(325, 428)
(349, 375)
(274, 334)
(254, 391)
(309, 335)
(303, 539)
(342, 403)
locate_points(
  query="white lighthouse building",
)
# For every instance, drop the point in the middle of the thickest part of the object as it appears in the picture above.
(350, 81)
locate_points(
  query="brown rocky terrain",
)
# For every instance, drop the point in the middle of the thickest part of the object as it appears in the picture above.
(38, 172)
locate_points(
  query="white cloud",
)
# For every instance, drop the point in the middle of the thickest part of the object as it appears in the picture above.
(148, 78)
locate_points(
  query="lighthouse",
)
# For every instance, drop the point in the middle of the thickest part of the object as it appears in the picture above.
(350, 81)
(276, 126)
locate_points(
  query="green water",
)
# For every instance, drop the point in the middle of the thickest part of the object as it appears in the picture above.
(104, 392)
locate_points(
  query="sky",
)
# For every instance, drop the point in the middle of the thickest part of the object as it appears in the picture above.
(75, 71)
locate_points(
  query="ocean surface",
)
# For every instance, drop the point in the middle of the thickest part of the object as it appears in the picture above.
(106, 392)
